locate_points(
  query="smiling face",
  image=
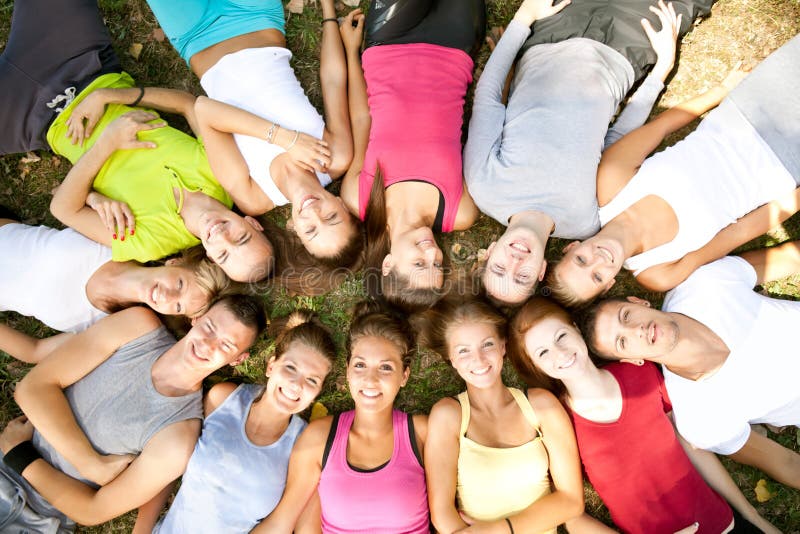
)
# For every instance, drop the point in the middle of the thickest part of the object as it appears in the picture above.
(476, 352)
(589, 267)
(634, 330)
(296, 377)
(375, 373)
(216, 339)
(237, 245)
(172, 290)
(514, 265)
(323, 223)
(556, 348)
(415, 256)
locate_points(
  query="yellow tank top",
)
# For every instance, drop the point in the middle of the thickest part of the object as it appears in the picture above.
(494, 483)
(145, 178)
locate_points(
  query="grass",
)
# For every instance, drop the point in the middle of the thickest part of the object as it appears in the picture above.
(737, 29)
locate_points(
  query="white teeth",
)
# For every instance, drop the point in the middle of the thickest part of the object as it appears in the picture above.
(154, 294)
(215, 228)
(520, 247)
(372, 393)
(482, 371)
(569, 363)
(291, 398)
(307, 203)
(606, 254)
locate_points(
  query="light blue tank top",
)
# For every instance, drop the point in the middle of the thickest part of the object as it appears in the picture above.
(231, 484)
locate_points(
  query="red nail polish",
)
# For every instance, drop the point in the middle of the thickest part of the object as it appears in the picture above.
(132, 232)
(122, 238)
(114, 236)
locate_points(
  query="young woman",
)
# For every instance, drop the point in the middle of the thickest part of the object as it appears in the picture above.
(666, 215)
(69, 282)
(628, 445)
(255, 427)
(493, 452)
(531, 155)
(406, 109)
(264, 140)
(365, 464)
(156, 175)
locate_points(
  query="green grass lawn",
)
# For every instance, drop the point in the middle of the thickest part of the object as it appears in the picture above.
(736, 29)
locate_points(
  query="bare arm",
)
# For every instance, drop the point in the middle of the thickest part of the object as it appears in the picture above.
(586, 524)
(302, 480)
(163, 459)
(69, 203)
(775, 460)
(310, 521)
(84, 117)
(41, 393)
(360, 119)
(715, 474)
(333, 82)
(667, 276)
(623, 159)
(26, 348)
(441, 465)
(148, 513)
(776, 262)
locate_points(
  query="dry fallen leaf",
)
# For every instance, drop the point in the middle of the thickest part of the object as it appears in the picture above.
(135, 50)
(55, 161)
(762, 491)
(351, 3)
(296, 6)
(30, 157)
(158, 35)
(318, 411)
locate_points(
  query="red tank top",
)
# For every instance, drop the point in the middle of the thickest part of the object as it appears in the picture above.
(416, 101)
(639, 468)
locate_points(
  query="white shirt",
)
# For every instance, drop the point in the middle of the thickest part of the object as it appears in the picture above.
(758, 383)
(261, 81)
(43, 273)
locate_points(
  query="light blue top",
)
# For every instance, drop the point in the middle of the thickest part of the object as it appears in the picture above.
(231, 484)
(194, 25)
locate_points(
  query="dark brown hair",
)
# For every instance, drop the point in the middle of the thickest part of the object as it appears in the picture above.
(302, 326)
(393, 288)
(533, 312)
(587, 323)
(372, 319)
(301, 273)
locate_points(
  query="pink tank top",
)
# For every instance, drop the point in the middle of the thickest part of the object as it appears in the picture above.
(392, 499)
(416, 100)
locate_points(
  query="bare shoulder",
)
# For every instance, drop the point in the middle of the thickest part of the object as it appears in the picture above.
(217, 395)
(446, 413)
(176, 441)
(544, 403)
(316, 433)
(135, 319)
(420, 426)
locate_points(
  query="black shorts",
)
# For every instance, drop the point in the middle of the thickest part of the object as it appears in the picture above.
(52, 45)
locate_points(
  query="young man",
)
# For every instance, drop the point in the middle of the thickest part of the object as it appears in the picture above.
(61, 85)
(728, 354)
(531, 163)
(122, 390)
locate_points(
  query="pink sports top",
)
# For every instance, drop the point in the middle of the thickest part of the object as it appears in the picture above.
(390, 499)
(416, 100)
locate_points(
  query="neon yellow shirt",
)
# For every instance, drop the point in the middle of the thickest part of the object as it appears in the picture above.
(144, 178)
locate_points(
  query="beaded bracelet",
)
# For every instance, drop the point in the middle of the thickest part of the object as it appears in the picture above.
(271, 132)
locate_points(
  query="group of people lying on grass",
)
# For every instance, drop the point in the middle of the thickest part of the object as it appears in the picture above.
(116, 401)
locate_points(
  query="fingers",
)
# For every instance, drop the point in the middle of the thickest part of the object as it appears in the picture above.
(561, 6)
(648, 29)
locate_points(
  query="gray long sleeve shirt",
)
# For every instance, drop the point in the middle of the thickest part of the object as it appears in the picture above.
(541, 151)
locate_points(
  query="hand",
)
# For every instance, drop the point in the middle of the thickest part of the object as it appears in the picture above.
(664, 41)
(352, 30)
(121, 133)
(85, 116)
(735, 76)
(691, 529)
(532, 10)
(482, 527)
(307, 152)
(108, 467)
(16, 431)
(117, 217)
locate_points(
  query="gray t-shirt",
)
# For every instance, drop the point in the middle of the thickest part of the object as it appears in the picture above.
(541, 151)
(118, 408)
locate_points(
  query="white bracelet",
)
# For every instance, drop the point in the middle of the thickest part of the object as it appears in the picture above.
(271, 132)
